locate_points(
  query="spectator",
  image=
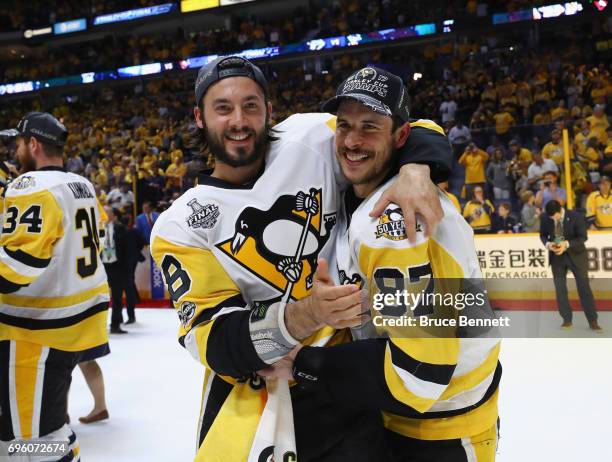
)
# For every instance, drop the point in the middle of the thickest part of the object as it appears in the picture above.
(474, 161)
(599, 123)
(145, 221)
(478, 212)
(549, 190)
(599, 206)
(538, 168)
(553, 150)
(503, 122)
(175, 173)
(459, 137)
(605, 166)
(530, 214)
(498, 176)
(120, 197)
(448, 108)
(75, 164)
(582, 139)
(503, 222)
(521, 156)
(589, 158)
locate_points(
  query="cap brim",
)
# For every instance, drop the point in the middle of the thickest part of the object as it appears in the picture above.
(10, 133)
(331, 105)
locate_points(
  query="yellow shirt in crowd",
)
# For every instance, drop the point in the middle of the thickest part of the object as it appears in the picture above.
(477, 215)
(600, 207)
(474, 163)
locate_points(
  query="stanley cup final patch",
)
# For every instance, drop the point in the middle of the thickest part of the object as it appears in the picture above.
(202, 216)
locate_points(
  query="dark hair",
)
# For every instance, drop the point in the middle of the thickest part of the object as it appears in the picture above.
(506, 205)
(552, 207)
(117, 213)
(197, 136)
(50, 150)
(551, 172)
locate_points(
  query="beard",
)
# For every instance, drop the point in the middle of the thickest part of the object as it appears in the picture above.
(242, 157)
(26, 161)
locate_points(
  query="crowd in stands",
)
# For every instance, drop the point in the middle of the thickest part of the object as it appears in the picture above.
(323, 19)
(504, 114)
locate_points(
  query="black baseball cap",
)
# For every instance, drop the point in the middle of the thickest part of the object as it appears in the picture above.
(381, 91)
(224, 67)
(42, 126)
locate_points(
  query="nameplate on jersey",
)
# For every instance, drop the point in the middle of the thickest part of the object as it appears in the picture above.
(80, 190)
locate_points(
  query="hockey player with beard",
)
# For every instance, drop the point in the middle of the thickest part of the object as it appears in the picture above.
(238, 252)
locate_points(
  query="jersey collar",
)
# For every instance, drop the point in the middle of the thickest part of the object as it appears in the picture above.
(204, 178)
(51, 168)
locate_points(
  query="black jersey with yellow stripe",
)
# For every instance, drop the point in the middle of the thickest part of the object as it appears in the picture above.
(53, 288)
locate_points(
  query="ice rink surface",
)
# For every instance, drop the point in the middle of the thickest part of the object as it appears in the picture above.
(555, 398)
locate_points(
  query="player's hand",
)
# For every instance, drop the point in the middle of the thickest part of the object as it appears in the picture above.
(282, 369)
(336, 306)
(415, 193)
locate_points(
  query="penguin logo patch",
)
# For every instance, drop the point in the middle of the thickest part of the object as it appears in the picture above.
(280, 245)
(186, 312)
(23, 182)
(203, 216)
(391, 225)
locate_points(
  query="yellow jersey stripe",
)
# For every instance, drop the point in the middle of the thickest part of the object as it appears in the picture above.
(54, 302)
(429, 124)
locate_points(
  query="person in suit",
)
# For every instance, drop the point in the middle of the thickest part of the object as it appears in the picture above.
(134, 243)
(114, 252)
(145, 221)
(563, 232)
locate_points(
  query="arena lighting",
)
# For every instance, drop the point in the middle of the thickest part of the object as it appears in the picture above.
(198, 61)
(130, 15)
(188, 6)
(600, 4)
(67, 27)
(542, 12)
(416, 76)
(447, 26)
(143, 69)
(37, 32)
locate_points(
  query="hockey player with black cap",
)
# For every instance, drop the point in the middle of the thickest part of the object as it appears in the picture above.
(53, 289)
(437, 387)
(236, 279)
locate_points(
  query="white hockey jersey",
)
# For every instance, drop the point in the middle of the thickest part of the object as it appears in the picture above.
(53, 288)
(225, 250)
(432, 384)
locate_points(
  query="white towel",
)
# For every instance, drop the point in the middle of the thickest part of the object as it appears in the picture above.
(275, 432)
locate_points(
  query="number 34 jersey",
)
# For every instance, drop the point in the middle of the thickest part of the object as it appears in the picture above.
(53, 288)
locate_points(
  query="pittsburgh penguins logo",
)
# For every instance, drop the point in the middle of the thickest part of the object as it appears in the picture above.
(391, 225)
(367, 73)
(280, 245)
